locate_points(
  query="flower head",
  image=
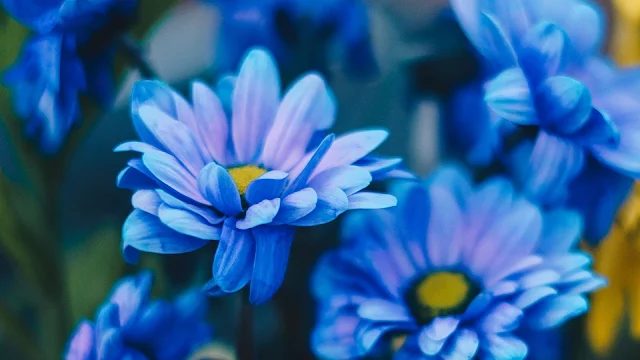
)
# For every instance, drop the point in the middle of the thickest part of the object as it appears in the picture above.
(72, 51)
(572, 119)
(247, 180)
(452, 272)
(130, 326)
(292, 29)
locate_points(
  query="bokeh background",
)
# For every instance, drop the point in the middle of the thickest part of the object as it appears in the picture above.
(422, 57)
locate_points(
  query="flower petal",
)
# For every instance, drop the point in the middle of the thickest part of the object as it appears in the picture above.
(370, 200)
(542, 53)
(563, 103)
(555, 311)
(218, 187)
(255, 101)
(212, 121)
(188, 223)
(259, 214)
(82, 344)
(306, 108)
(502, 347)
(296, 206)
(266, 187)
(304, 173)
(232, 264)
(144, 232)
(206, 213)
(146, 200)
(508, 96)
(383, 310)
(349, 179)
(331, 203)
(349, 148)
(273, 244)
(168, 170)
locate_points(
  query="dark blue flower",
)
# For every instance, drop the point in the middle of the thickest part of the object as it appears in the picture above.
(452, 272)
(72, 52)
(131, 326)
(245, 168)
(288, 26)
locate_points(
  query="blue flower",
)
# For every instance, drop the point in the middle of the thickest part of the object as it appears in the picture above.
(289, 26)
(72, 52)
(247, 175)
(452, 272)
(130, 326)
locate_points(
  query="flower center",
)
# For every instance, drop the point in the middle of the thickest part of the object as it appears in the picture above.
(243, 176)
(440, 293)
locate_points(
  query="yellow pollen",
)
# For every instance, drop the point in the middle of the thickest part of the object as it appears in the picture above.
(244, 175)
(442, 291)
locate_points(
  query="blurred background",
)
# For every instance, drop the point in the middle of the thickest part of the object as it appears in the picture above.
(421, 58)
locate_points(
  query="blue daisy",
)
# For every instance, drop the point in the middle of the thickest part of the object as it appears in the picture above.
(72, 52)
(244, 168)
(131, 326)
(289, 26)
(452, 272)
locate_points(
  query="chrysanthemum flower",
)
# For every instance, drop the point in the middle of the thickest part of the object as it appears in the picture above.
(534, 51)
(453, 272)
(72, 51)
(247, 180)
(130, 326)
(296, 30)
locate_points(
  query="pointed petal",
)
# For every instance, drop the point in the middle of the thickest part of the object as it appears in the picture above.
(212, 121)
(168, 170)
(296, 206)
(233, 262)
(218, 187)
(370, 200)
(508, 95)
(272, 254)
(259, 214)
(188, 223)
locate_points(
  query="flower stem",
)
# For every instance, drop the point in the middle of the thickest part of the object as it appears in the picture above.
(134, 53)
(244, 340)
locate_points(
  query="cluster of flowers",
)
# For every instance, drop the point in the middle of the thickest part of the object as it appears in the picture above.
(457, 270)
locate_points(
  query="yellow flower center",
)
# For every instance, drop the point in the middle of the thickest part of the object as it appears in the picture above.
(244, 175)
(440, 293)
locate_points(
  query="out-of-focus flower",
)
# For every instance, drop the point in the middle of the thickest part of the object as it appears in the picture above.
(296, 30)
(131, 326)
(617, 258)
(568, 110)
(451, 273)
(246, 176)
(72, 52)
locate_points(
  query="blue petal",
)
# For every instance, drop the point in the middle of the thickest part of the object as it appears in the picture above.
(370, 200)
(503, 318)
(259, 214)
(503, 347)
(539, 278)
(232, 265)
(218, 187)
(562, 230)
(174, 136)
(306, 108)
(225, 88)
(304, 174)
(206, 213)
(155, 319)
(599, 129)
(131, 178)
(145, 232)
(331, 203)
(188, 223)
(349, 179)
(153, 93)
(131, 294)
(383, 310)
(368, 336)
(82, 344)
(380, 168)
(564, 104)
(212, 121)
(508, 95)
(168, 170)
(272, 254)
(553, 164)
(464, 346)
(110, 345)
(266, 187)
(255, 102)
(441, 328)
(542, 53)
(136, 146)
(533, 296)
(556, 311)
(428, 345)
(146, 200)
(349, 148)
(296, 206)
